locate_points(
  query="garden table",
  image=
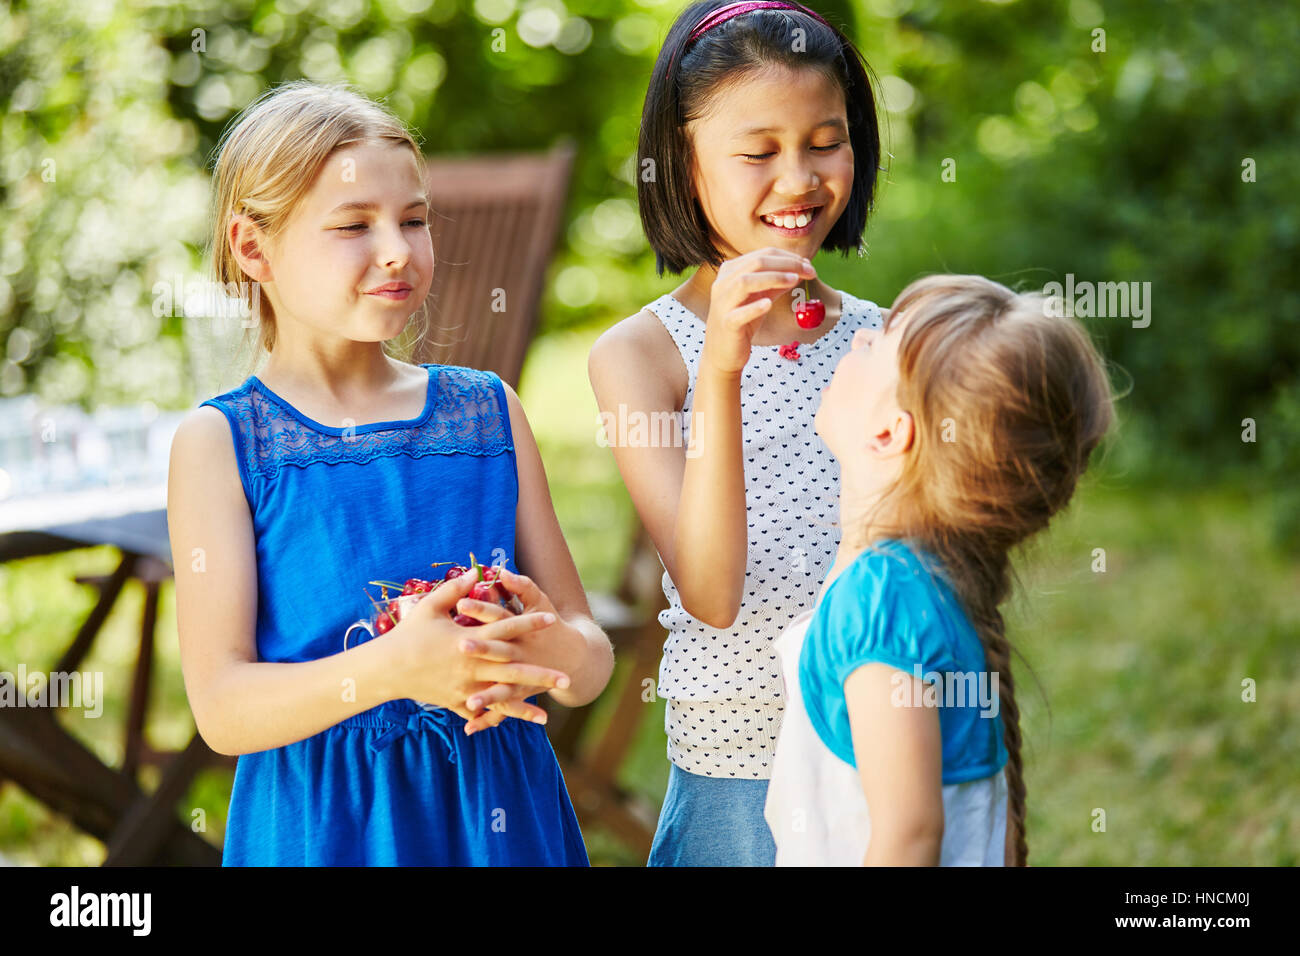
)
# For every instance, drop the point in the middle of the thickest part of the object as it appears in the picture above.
(36, 751)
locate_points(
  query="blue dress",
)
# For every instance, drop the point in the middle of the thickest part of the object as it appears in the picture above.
(332, 509)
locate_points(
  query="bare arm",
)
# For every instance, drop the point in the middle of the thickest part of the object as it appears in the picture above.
(899, 753)
(693, 507)
(692, 500)
(240, 705)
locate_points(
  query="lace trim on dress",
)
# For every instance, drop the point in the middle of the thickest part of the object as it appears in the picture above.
(466, 415)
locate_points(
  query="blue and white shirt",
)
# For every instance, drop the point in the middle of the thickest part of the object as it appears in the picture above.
(886, 607)
(723, 690)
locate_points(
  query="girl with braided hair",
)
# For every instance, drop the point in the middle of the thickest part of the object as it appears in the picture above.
(960, 429)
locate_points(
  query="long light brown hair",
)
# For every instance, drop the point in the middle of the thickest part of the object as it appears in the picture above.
(268, 158)
(1008, 404)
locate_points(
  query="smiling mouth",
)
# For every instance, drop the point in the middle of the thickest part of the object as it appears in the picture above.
(793, 222)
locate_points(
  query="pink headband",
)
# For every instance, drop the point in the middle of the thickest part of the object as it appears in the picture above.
(723, 14)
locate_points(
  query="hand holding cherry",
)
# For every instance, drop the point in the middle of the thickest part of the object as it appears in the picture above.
(742, 293)
(484, 588)
(429, 664)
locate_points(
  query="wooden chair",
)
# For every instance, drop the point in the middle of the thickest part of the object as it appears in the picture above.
(495, 220)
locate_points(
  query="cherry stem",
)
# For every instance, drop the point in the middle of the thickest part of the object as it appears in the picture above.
(378, 610)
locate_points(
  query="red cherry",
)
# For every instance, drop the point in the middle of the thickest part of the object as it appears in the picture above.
(417, 586)
(454, 571)
(810, 314)
(384, 623)
(464, 620)
(483, 592)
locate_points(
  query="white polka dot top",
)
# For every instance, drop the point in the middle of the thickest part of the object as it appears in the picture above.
(723, 684)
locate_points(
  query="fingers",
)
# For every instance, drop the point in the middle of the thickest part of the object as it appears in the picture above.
(516, 625)
(514, 672)
(523, 586)
(772, 258)
(508, 699)
(520, 710)
(485, 720)
(499, 651)
(482, 610)
(464, 712)
(744, 314)
(444, 597)
(752, 282)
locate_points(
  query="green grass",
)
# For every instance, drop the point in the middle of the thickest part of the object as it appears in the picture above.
(1141, 666)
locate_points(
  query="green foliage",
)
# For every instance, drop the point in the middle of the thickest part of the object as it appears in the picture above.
(111, 118)
(1124, 165)
(1282, 464)
(1129, 163)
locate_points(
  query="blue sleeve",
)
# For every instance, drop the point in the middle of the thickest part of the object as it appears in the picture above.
(879, 610)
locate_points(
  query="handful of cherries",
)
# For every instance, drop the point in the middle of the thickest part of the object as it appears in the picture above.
(487, 587)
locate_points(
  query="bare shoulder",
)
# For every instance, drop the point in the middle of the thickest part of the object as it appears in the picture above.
(514, 406)
(203, 449)
(204, 429)
(638, 355)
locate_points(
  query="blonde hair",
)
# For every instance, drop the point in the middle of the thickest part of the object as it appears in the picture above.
(1028, 398)
(268, 158)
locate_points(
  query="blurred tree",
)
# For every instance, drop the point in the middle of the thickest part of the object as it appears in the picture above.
(1143, 143)
(1027, 140)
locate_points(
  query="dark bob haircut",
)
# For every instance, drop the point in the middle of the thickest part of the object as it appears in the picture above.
(683, 80)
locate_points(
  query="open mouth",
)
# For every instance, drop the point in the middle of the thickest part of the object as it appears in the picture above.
(796, 222)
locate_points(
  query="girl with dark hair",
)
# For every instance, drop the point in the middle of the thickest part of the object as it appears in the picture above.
(758, 148)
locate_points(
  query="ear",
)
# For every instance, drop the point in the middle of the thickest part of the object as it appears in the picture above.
(248, 244)
(896, 439)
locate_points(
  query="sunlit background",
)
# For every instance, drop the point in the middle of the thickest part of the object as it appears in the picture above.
(1135, 142)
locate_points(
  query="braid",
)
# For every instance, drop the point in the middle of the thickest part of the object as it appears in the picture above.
(981, 579)
(992, 630)
(997, 649)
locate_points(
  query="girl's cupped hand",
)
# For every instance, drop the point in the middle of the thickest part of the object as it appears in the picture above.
(558, 644)
(432, 667)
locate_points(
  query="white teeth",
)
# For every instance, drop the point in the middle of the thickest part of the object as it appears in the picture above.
(791, 221)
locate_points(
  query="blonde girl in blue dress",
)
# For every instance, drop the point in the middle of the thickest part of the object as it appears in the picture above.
(335, 465)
